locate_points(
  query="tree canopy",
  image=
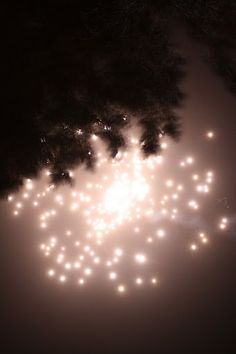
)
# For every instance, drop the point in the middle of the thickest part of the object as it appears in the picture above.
(74, 68)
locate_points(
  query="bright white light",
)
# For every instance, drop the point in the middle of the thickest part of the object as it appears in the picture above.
(154, 281)
(112, 275)
(164, 146)
(121, 288)
(62, 278)
(140, 258)
(139, 281)
(87, 271)
(160, 233)
(118, 252)
(74, 206)
(193, 247)
(169, 183)
(68, 266)
(210, 134)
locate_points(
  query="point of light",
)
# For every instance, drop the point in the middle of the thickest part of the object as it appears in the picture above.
(62, 278)
(193, 247)
(189, 160)
(139, 281)
(169, 183)
(140, 258)
(160, 233)
(119, 252)
(51, 272)
(195, 177)
(154, 281)
(121, 288)
(116, 204)
(112, 275)
(210, 134)
(88, 271)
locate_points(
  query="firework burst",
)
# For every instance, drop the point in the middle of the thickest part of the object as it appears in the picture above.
(98, 227)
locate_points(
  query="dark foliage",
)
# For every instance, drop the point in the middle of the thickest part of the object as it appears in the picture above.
(73, 69)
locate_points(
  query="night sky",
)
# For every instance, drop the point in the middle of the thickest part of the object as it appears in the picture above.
(193, 308)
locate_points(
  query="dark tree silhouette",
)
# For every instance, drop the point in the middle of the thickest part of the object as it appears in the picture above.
(73, 69)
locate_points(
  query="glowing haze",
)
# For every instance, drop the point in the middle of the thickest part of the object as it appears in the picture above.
(97, 227)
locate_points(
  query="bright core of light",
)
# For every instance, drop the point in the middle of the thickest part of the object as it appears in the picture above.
(140, 258)
(210, 134)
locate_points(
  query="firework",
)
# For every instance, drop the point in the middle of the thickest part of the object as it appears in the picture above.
(97, 228)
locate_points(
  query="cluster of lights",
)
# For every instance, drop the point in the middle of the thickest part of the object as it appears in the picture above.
(114, 204)
(223, 224)
(203, 239)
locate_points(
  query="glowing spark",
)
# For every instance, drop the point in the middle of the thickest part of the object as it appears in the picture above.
(154, 281)
(139, 281)
(169, 183)
(118, 252)
(164, 146)
(121, 288)
(210, 134)
(160, 233)
(140, 258)
(51, 272)
(62, 278)
(112, 275)
(87, 271)
(223, 223)
(68, 266)
(195, 177)
(189, 160)
(193, 247)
